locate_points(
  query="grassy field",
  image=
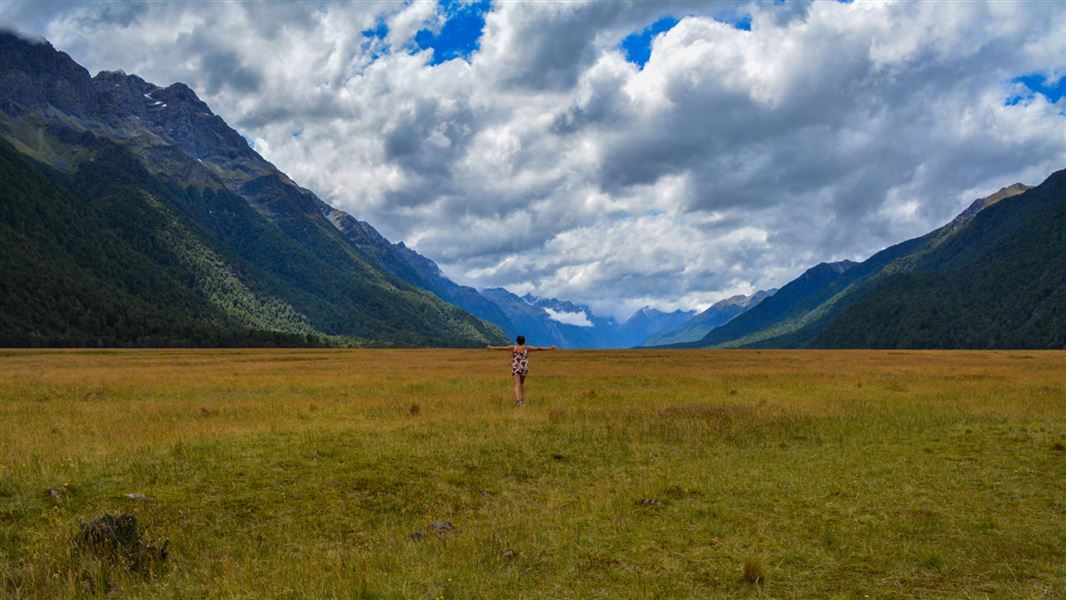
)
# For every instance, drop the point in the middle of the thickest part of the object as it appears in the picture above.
(304, 474)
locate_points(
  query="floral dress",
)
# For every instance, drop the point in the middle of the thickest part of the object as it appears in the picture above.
(520, 362)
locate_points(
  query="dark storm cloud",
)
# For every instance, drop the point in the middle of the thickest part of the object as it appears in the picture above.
(31, 16)
(547, 46)
(218, 65)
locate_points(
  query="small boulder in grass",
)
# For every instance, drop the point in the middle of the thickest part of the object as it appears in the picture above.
(440, 527)
(135, 496)
(117, 539)
(437, 527)
(649, 502)
(507, 554)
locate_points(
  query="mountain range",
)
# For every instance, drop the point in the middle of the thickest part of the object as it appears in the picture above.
(993, 277)
(716, 315)
(575, 326)
(134, 216)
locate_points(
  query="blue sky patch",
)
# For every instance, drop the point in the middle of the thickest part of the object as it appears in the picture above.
(1036, 83)
(374, 38)
(460, 36)
(379, 31)
(734, 18)
(637, 46)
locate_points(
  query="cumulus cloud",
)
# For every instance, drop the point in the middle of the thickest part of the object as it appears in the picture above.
(546, 162)
(579, 318)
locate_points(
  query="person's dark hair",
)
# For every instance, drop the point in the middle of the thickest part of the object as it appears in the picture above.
(521, 340)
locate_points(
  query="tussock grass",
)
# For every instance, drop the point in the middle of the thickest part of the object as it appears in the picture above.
(629, 475)
(754, 569)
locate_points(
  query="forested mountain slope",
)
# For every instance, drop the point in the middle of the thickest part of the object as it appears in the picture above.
(1002, 249)
(1000, 283)
(228, 249)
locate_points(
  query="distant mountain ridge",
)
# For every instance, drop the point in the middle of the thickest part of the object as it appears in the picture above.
(650, 322)
(532, 316)
(794, 298)
(716, 315)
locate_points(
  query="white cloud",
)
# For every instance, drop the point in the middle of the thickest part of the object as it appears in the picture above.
(404, 24)
(547, 163)
(579, 318)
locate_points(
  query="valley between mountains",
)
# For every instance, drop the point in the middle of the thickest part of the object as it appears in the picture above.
(135, 216)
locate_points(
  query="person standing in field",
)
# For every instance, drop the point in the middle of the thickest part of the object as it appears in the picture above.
(520, 365)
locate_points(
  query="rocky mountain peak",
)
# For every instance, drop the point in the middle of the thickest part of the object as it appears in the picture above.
(738, 300)
(35, 75)
(180, 93)
(834, 267)
(982, 203)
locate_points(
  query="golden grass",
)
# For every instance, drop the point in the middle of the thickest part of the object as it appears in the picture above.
(754, 569)
(303, 473)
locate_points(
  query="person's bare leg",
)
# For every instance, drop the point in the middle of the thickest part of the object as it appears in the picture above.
(518, 393)
(522, 388)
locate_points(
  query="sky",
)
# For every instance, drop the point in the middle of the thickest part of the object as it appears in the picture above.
(615, 154)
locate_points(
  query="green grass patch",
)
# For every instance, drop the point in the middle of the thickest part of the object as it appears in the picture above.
(297, 474)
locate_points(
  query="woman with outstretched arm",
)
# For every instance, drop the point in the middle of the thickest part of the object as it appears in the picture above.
(520, 365)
